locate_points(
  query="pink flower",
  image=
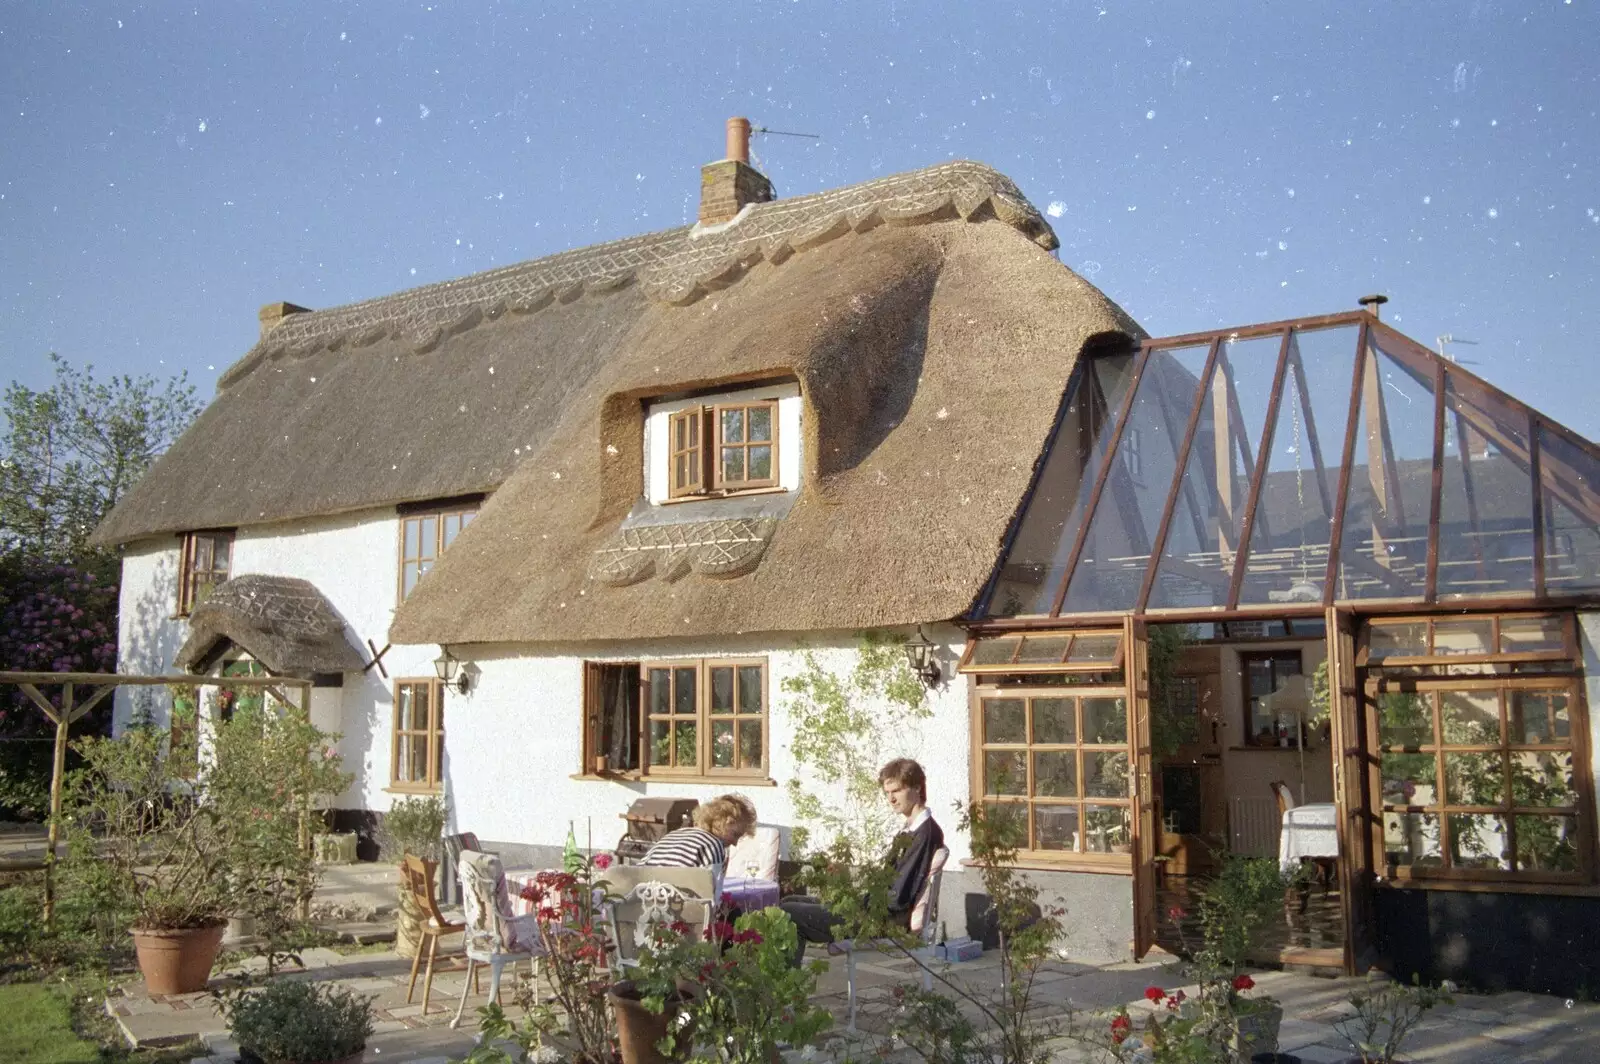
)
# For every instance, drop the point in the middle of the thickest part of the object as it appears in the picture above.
(602, 861)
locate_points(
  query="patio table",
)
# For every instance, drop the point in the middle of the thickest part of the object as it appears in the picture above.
(1308, 831)
(751, 895)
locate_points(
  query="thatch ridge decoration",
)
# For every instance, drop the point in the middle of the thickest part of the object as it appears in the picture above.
(718, 548)
(283, 622)
(674, 266)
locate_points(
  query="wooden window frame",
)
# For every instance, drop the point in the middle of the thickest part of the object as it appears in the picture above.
(1569, 651)
(433, 736)
(1248, 739)
(189, 570)
(704, 455)
(1028, 856)
(464, 513)
(1064, 663)
(703, 719)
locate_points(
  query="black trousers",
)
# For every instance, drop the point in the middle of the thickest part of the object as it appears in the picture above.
(815, 922)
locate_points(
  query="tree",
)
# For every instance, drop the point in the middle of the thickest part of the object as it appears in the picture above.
(75, 448)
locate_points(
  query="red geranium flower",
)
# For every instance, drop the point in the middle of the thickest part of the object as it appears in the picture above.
(1243, 982)
(1154, 993)
(1121, 1026)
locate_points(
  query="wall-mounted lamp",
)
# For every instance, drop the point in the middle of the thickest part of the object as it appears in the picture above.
(919, 655)
(449, 670)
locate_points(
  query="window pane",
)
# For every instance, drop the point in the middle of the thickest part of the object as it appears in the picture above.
(1463, 637)
(411, 538)
(660, 691)
(1036, 561)
(733, 464)
(680, 432)
(1054, 721)
(661, 742)
(685, 744)
(1412, 839)
(1540, 717)
(1056, 826)
(680, 471)
(1529, 635)
(1105, 774)
(1470, 718)
(1409, 779)
(1405, 718)
(761, 423)
(1095, 648)
(452, 525)
(419, 760)
(1478, 840)
(437, 746)
(760, 463)
(409, 575)
(1005, 772)
(402, 768)
(1569, 479)
(1009, 815)
(1486, 495)
(750, 689)
(1105, 720)
(1055, 774)
(994, 651)
(1475, 779)
(750, 744)
(1005, 720)
(430, 536)
(466, 518)
(1043, 649)
(683, 695)
(733, 426)
(722, 752)
(722, 689)
(1398, 640)
(220, 547)
(1547, 843)
(1106, 828)
(1539, 779)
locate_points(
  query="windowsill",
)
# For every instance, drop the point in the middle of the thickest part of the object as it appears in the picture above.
(1110, 864)
(720, 495)
(709, 781)
(401, 788)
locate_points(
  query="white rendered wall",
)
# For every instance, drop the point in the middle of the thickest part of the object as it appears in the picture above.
(513, 744)
(657, 448)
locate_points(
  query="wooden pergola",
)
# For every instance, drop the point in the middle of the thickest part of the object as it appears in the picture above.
(102, 684)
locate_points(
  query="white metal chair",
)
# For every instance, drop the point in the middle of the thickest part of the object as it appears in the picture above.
(924, 923)
(494, 936)
(646, 896)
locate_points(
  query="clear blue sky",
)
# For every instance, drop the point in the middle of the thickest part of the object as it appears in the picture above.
(166, 169)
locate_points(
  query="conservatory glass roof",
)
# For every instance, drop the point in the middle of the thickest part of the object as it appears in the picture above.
(1297, 464)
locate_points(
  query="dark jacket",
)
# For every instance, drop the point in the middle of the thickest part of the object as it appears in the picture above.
(913, 862)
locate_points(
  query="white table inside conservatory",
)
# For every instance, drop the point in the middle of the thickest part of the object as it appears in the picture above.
(1308, 831)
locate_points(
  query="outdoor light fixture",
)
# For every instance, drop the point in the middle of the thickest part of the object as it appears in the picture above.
(447, 668)
(919, 655)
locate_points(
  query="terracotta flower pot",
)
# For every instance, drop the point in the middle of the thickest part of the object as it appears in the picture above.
(178, 962)
(639, 1029)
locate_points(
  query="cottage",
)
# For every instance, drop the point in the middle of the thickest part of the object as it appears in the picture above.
(629, 490)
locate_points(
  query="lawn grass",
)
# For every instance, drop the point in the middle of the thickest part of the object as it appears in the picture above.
(38, 1028)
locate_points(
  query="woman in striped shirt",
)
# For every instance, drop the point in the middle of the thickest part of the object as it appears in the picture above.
(719, 824)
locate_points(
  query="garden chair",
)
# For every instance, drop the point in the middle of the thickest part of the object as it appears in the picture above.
(454, 846)
(418, 875)
(759, 851)
(924, 924)
(644, 896)
(495, 937)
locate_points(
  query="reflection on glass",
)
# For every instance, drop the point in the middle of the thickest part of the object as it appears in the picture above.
(1463, 637)
(1540, 779)
(1116, 551)
(1105, 774)
(1470, 718)
(1547, 843)
(661, 742)
(995, 651)
(685, 751)
(750, 744)
(1408, 779)
(1540, 717)
(1037, 649)
(1005, 772)
(722, 752)
(1405, 718)
(761, 423)
(1486, 495)
(660, 691)
(1480, 841)
(1095, 648)
(1056, 826)
(1036, 562)
(1055, 774)
(1531, 635)
(1005, 720)
(1105, 721)
(749, 689)
(1106, 829)
(1412, 839)
(722, 690)
(1397, 640)
(1475, 778)
(1568, 480)
(760, 463)
(1009, 816)
(1054, 721)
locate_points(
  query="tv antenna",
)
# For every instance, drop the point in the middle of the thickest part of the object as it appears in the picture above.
(1449, 338)
(784, 133)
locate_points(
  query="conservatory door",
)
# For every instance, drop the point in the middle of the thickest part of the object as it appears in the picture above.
(1141, 787)
(1352, 783)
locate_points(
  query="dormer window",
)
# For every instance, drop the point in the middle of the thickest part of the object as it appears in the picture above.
(726, 446)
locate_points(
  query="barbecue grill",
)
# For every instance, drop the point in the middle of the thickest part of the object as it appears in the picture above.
(650, 818)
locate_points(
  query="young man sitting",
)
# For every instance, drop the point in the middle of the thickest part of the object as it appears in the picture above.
(905, 785)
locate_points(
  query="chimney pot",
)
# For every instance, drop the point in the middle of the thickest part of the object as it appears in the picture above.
(273, 313)
(1373, 304)
(739, 140)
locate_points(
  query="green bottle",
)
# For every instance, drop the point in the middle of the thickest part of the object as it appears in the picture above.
(571, 859)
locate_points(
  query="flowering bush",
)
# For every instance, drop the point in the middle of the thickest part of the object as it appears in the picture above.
(568, 908)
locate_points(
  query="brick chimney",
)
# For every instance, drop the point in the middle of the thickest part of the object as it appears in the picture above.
(273, 313)
(728, 185)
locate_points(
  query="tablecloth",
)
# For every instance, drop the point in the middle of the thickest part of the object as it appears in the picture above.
(751, 894)
(1308, 831)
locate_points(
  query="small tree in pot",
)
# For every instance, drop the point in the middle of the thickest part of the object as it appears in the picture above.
(298, 1023)
(414, 826)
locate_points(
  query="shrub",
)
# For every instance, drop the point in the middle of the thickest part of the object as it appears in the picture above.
(298, 1022)
(415, 826)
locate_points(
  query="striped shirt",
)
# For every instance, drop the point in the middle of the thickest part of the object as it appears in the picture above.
(687, 848)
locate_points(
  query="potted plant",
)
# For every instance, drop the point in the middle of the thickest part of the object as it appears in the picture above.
(149, 853)
(567, 905)
(414, 826)
(296, 1022)
(651, 1002)
(1384, 1014)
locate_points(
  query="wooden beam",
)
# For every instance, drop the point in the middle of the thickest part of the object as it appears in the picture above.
(132, 680)
(41, 701)
(58, 769)
(93, 700)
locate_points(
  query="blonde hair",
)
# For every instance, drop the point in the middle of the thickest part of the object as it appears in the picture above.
(726, 816)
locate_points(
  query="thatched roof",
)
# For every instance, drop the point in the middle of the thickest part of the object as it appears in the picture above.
(284, 623)
(929, 331)
(443, 390)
